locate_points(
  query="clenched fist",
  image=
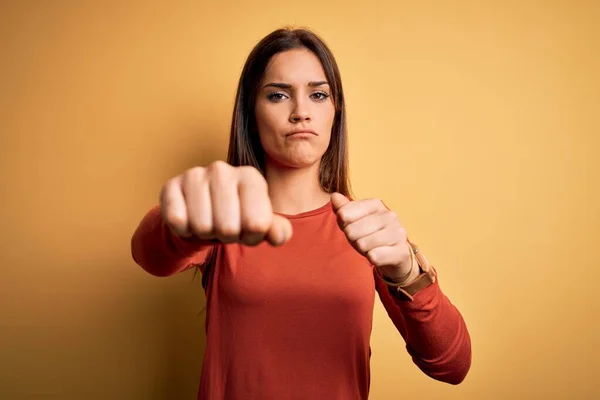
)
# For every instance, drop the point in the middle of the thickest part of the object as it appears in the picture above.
(230, 204)
(376, 233)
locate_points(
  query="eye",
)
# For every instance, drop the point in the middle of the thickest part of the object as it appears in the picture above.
(276, 96)
(320, 96)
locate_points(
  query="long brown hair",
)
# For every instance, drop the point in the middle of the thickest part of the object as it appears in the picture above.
(244, 144)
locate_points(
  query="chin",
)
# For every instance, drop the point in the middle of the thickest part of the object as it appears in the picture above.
(297, 160)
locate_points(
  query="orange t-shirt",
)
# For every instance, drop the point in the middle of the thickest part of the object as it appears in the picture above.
(294, 322)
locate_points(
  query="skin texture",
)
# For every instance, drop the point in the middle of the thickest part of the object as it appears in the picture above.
(280, 111)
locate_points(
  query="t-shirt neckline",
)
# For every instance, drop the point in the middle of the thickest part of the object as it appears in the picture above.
(310, 213)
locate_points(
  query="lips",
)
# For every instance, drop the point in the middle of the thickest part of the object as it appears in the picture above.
(302, 132)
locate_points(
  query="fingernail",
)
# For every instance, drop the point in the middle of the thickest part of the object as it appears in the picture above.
(280, 238)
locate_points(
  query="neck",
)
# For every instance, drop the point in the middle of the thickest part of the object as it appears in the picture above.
(295, 190)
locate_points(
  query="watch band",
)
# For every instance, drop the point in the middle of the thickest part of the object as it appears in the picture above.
(427, 277)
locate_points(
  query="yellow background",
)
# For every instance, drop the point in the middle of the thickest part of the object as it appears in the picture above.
(478, 122)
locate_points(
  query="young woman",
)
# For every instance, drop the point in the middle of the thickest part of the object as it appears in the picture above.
(290, 262)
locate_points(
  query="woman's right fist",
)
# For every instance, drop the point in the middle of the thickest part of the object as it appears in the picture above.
(230, 204)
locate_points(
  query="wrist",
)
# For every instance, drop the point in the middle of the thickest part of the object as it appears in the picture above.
(424, 275)
(413, 272)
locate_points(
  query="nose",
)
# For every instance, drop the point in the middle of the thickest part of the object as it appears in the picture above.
(299, 113)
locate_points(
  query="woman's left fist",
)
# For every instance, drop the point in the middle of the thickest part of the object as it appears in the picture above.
(375, 232)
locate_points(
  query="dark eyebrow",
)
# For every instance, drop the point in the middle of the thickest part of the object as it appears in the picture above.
(288, 86)
(279, 85)
(318, 83)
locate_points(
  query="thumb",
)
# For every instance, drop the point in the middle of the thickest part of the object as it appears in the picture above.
(280, 232)
(338, 200)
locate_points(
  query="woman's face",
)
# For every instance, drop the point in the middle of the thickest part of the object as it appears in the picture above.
(294, 110)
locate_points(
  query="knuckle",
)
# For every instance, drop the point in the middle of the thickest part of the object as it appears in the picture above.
(219, 170)
(401, 232)
(200, 227)
(390, 217)
(349, 233)
(248, 169)
(372, 257)
(343, 215)
(228, 230)
(374, 201)
(257, 224)
(164, 196)
(194, 175)
(252, 176)
(362, 244)
(174, 218)
(218, 164)
(196, 172)
(170, 185)
(245, 169)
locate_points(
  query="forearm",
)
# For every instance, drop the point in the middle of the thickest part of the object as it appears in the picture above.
(159, 252)
(436, 335)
